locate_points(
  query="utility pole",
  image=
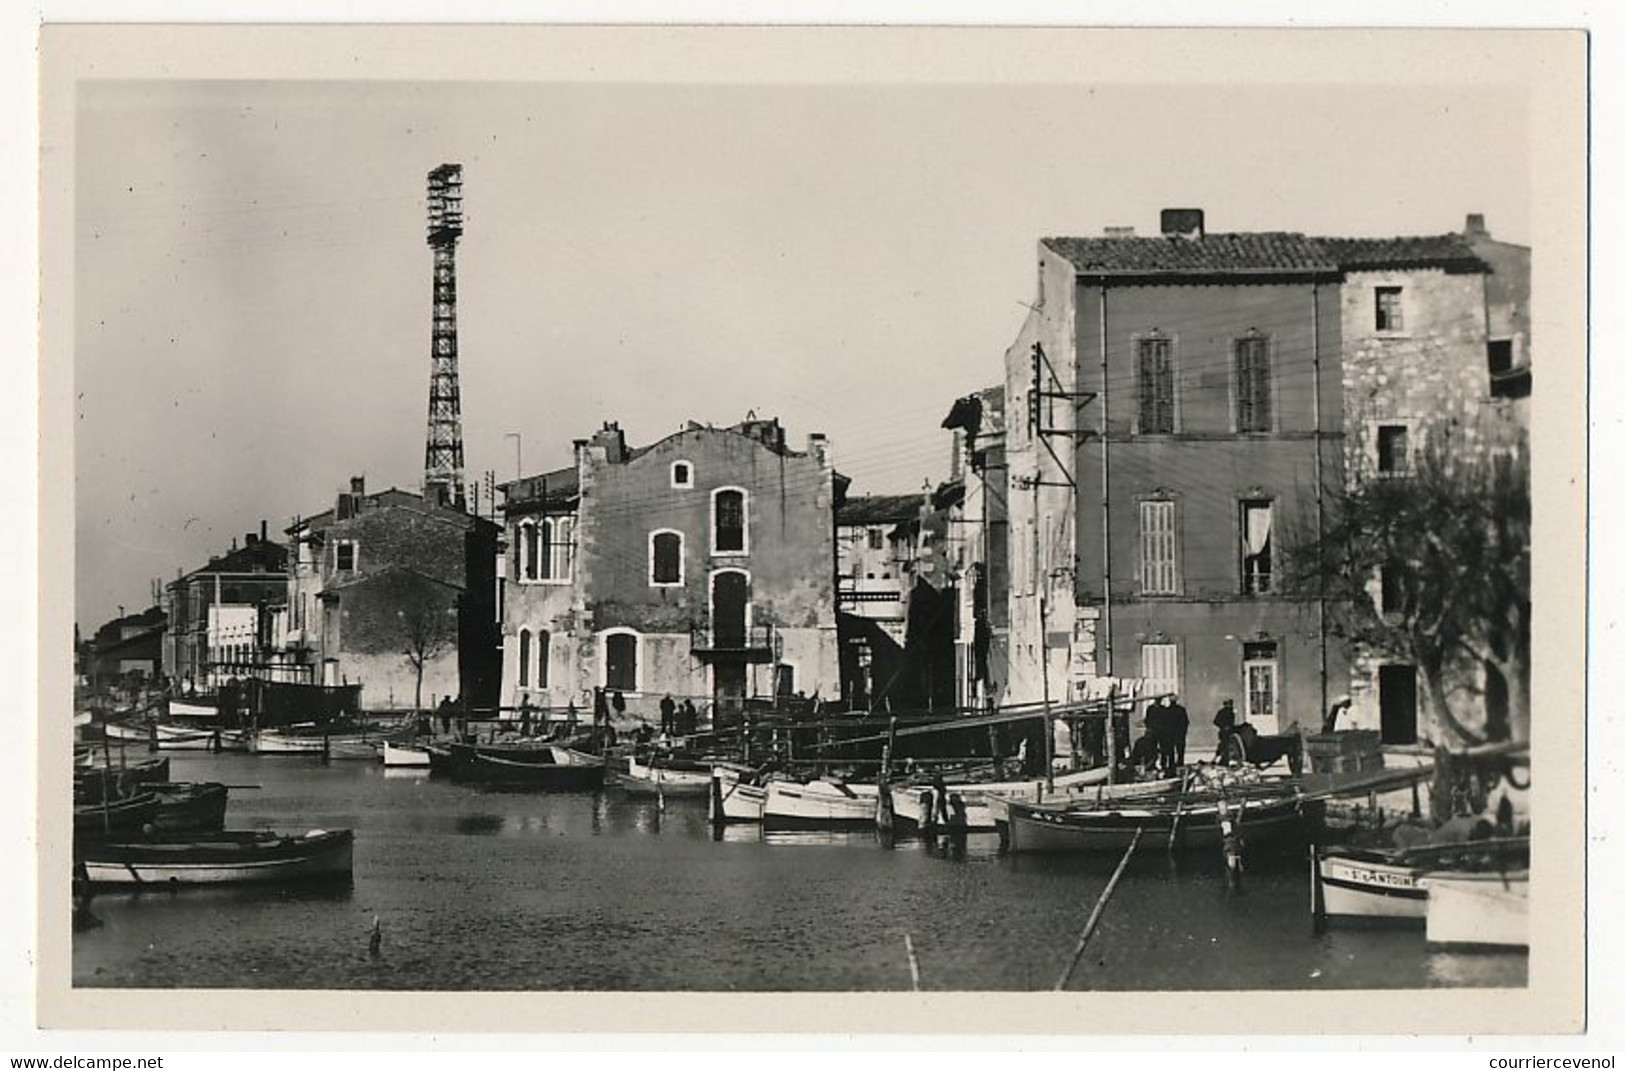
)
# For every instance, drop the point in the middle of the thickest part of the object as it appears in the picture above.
(443, 450)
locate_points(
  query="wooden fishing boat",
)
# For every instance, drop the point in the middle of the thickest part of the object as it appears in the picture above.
(549, 767)
(197, 707)
(190, 807)
(1189, 822)
(128, 732)
(737, 794)
(820, 804)
(666, 777)
(222, 858)
(279, 742)
(403, 755)
(1486, 909)
(127, 814)
(916, 808)
(91, 783)
(1390, 883)
(1095, 793)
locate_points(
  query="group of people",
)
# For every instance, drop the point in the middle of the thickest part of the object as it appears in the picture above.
(1162, 747)
(678, 720)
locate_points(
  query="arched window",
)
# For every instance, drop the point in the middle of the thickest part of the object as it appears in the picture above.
(543, 657)
(728, 521)
(524, 658)
(527, 550)
(621, 661)
(666, 558)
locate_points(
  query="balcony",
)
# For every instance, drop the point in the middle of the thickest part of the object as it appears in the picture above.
(758, 644)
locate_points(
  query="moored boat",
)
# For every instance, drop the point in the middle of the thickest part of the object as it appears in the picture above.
(403, 755)
(666, 777)
(195, 708)
(1183, 823)
(916, 808)
(1389, 883)
(190, 808)
(127, 732)
(819, 804)
(1489, 910)
(222, 858)
(737, 795)
(123, 815)
(275, 742)
(549, 767)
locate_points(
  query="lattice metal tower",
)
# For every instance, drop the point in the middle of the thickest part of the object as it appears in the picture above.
(443, 453)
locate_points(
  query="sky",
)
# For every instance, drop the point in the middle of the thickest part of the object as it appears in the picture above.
(252, 283)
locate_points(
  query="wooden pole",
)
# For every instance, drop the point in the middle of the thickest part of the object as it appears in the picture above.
(1179, 808)
(1100, 907)
(1317, 897)
(913, 961)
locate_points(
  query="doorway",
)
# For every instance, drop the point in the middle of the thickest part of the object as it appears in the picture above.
(1396, 699)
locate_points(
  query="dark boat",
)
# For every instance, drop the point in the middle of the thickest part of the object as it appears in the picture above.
(92, 783)
(223, 858)
(1187, 823)
(128, 814)
(550, 767)
(189, 808)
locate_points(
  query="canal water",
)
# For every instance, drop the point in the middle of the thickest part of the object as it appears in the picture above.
(494, 890)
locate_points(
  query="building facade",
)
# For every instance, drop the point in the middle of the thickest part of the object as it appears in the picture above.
(701, 567)
(220, 616)
(1175, 421)
(385, 585)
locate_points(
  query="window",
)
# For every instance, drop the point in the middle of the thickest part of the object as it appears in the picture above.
(728, 521)
(555, 537)
(344, 556)
(621, 661)
(529, 558)
(1253, 412)
(1393, 448)
(524, 658)
(1390, 317)
(543, 657)
(1391, 588)
(786, 679)
(1159, 668)
(1261, 678)
(682, 474)
(1158, 572)
(666, 558)
(877, 538)
(1500, 356)
(1155, 363)
(1257, 551)
(1508, 379)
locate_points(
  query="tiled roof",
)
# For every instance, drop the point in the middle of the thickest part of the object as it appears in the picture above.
(263, 556)
(1451, 252)
(879, 509)
(557, 488)
(1221, 254)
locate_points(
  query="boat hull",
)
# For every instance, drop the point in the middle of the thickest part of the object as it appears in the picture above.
(653, 779)
(274, 743)
(1038, 828)
(190, 808)
(1479, 910)
(734, 799)
(130, 734)
(1366, 885)
(819, 805)
(404, 756)
(915, 808)
(554, 769)
(239, 859)
(115, 817)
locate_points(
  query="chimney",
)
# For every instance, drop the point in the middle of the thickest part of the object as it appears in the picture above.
(358, 485)
(262, 529)
(818, 446)
(1475, 226)
(1119, 232)
(613, 440)
(250, 538)
(1183, 223)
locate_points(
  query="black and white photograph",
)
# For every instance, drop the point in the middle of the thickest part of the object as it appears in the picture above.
(815, 512)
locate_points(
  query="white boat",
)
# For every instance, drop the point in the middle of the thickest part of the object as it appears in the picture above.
(271, 742)
(1089, 787)
(223, 859)
(684, 778)
(171, 737)
(129, 732)
(735, 797)
(819, 804)
(193, 708)
(1482, 909)
(1390, 882)
(404, 755)
(916, 806)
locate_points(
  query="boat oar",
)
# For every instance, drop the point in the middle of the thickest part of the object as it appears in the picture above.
(1179, 808)
(913, 962)
(1100, 907)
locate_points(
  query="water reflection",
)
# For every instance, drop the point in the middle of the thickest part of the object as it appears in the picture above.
(480, 824)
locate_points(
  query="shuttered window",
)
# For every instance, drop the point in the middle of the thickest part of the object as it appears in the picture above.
(524, 658)
(1155, 361)
(728, 529)
(1253, 383)
(666, 558)
(1158, 565)
(543, 643)
(1159, 668)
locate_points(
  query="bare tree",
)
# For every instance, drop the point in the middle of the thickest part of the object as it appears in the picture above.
(428, 628)
(1430, 565)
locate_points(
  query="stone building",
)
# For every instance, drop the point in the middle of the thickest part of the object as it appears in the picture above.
(1436, 364)
(220, 615)
(978, 548)
(701, 566)
(386, 581)
(129, 647)
(875, 539)
(1175, 410)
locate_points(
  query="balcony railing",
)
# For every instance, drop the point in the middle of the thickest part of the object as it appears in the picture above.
(757, 643)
